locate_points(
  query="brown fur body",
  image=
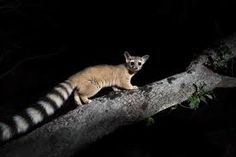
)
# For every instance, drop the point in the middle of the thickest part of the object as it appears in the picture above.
(92, 79)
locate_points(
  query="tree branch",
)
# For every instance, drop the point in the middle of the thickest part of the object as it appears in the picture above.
(71, 132)
(227, 82)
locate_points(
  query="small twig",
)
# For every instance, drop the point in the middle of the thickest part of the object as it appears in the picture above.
(23, 61)
(227, 82)
(232, 67)
(184, 106)
(10, 6)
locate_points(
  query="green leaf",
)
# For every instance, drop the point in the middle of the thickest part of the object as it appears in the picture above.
(192, 98)
(150, 121)
(202, 98)
(194, 103)
(209, 96)
(198, 100)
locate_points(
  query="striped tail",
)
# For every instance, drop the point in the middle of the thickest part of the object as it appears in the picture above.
(21, 123)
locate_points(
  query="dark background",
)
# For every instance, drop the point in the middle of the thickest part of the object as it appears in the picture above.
(42, 42)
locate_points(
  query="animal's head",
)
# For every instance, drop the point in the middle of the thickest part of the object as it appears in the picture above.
(135, 63)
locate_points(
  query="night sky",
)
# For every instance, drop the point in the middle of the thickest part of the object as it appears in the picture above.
(43, 42)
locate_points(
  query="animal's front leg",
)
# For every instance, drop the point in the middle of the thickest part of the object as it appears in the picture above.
(85, 99)
(128, 86)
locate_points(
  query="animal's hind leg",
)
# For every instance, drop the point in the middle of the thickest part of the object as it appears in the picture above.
(77, 99)
(87, 90)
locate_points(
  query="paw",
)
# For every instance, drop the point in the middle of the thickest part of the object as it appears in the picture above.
(78, 102)
(87, 101)
(116, 89)
(135, 87)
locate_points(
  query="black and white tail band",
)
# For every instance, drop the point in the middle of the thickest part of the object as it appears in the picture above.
(35, 114)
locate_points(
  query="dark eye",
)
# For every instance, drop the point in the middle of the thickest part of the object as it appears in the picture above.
(139, 63)
(131, 63)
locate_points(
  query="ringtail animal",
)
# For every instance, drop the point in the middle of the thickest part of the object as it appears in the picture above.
(83, 84)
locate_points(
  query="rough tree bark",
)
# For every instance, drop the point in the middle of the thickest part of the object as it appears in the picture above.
(67, 134)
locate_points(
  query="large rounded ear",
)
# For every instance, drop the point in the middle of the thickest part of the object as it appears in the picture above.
(145, 57)
(127, 55)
